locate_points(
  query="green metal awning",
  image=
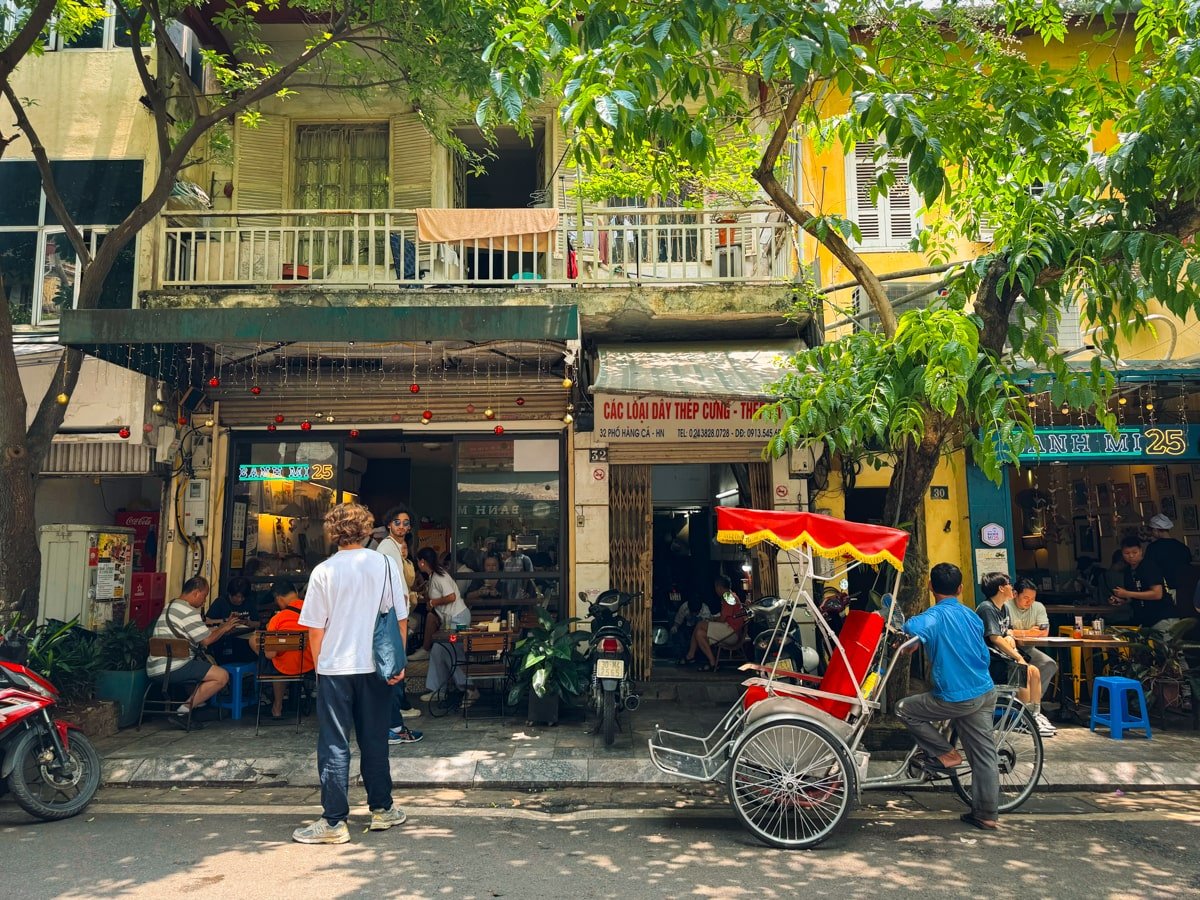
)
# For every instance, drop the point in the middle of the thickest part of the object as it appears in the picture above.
(157, 341)
(690, 370)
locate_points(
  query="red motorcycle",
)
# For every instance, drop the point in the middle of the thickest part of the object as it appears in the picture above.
(51, 768)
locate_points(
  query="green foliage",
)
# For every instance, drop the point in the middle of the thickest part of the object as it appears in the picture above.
(122, 648)
(547, 661)
(65, 655)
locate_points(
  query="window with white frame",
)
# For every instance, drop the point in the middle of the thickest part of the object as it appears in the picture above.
(109, 33)
(890, 223)
(39, 263)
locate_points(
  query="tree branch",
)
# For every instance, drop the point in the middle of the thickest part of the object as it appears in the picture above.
(895, 276)
(765, 176)
(158, 104)
(53, 197)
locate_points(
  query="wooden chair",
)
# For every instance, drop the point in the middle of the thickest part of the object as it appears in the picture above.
(280, 642)
(485, 657)
(174, 649)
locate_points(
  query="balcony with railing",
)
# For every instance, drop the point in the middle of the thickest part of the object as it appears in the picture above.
(596, 247)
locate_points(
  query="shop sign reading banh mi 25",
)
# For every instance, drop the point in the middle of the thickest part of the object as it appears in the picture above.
(281, 472)
(1096, 444)
(673, 419)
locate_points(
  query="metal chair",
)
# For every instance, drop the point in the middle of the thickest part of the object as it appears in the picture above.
(173, 649)
(280, 642)
(485, 657)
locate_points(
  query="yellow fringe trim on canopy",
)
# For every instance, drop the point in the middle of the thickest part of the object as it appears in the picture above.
(766, 535)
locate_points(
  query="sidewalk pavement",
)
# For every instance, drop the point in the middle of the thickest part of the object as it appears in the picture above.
(508, 753)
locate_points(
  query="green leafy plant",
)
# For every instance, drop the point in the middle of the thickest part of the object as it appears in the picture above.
(547, 661)
(122, 648)
(65, 655)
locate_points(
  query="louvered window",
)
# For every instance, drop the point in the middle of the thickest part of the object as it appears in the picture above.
(890, 223)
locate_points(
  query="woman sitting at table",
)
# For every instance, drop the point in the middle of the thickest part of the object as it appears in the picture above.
(446, 607)
(487, 591)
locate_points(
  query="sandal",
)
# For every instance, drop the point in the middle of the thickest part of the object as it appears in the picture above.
(972, 819)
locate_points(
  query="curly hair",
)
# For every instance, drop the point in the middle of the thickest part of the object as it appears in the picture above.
(349, 523)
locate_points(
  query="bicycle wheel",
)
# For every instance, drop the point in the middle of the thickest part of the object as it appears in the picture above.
(1019, 752)
(791, 783)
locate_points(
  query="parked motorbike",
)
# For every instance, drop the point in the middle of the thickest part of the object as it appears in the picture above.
(49, 765)
(609, 655)
(769, 630)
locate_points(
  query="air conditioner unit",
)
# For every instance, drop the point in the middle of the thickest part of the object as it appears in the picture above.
(895, 291)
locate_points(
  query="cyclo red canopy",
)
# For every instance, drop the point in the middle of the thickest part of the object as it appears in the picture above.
(824, 535)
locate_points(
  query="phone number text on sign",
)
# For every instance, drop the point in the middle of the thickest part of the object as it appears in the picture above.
(669, 419)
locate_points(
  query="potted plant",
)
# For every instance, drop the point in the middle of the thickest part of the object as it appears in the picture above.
(1157, 661)
(121, 652)
(547, 668)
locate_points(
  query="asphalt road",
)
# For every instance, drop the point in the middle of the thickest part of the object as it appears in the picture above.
(584, 844)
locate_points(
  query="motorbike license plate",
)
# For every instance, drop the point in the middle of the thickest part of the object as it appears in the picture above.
(785, 665)
(610, 668)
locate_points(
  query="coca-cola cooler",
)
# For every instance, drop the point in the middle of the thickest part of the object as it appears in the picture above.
(145, 538)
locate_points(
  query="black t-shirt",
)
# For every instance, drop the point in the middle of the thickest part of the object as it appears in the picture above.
(223, 609)
(1142, 578)
(1172, 558)
(996, 623)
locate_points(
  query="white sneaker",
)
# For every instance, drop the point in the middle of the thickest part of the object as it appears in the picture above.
(321, 832)
(430, 696)
(1044, 726)
(383, 819)
(411, 713)
(418, 655)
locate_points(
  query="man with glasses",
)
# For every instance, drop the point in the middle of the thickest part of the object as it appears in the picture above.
(398, 546)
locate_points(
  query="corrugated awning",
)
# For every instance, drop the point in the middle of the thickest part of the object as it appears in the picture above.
(689, 370)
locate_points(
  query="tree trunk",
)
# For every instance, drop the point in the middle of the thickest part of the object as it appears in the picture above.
(904, 507)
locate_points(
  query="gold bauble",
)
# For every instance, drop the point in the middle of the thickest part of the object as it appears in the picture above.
(63, 399)
(157, 408)
(567, 383)
(568, 419)
(489, 413)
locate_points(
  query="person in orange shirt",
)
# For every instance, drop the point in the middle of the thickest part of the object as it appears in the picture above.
(289, 662)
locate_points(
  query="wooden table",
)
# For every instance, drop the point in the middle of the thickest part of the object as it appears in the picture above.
(1069, 704)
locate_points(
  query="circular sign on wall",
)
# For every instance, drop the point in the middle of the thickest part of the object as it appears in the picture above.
(598, 474)
(781, 490)
(992, 534)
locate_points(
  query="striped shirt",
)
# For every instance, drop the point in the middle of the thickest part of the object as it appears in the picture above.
(187, 624)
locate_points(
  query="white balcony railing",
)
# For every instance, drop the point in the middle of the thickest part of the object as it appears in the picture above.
(380, 248)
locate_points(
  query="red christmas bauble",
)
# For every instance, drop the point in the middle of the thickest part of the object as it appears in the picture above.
(414, 388)
(353, 432)
(182, 420)
(395, 417)
(499, 429)
(256, 390)
(427, 414)
(520, 401)
(279, 420)
(147, 428)
(124, 432)
(271, 426)
(306, 425)
(470, 407)
(214, 381)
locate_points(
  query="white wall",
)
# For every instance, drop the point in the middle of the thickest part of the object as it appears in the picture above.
(88, 501)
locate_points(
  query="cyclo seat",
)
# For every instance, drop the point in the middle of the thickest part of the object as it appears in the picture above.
(860, 637)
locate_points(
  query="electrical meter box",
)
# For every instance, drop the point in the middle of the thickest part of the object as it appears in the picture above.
(87, 572)
(195, 508)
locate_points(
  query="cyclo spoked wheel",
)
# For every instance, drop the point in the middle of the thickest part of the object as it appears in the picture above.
(608, 717)
(791, 783)
(1019, 749)
(43, 789)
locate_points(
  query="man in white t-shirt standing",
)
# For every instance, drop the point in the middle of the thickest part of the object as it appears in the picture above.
(345, 595)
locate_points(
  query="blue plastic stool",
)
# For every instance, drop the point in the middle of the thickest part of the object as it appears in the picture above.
(236, 700)
(1117, 719)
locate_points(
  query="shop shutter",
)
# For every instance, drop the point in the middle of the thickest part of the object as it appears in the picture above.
(630, 529)
(412, 164)
(766, 573)
(659, 454)
(260, 168)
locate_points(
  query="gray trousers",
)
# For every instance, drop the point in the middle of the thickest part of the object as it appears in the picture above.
(1046, 666)
(973, 718)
